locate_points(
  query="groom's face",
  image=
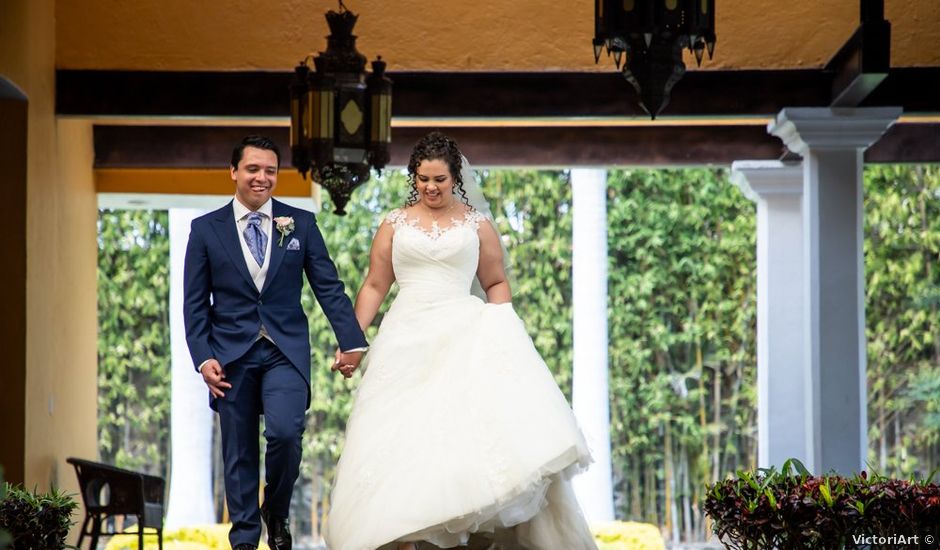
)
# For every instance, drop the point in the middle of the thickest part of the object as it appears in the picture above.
(255, 177)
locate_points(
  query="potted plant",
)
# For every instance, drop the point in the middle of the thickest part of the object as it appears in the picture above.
(36, 521)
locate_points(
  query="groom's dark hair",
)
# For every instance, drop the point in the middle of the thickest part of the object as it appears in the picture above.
(258, 142)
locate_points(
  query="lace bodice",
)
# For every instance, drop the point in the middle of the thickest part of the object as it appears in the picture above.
(435, 262)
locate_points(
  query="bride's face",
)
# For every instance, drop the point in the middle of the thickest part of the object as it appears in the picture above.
(435, 183)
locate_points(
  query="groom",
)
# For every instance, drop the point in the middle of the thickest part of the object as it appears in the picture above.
(248, 335)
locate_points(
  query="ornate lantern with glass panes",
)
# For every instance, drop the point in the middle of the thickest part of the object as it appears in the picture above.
(646, 39)
(340, 115)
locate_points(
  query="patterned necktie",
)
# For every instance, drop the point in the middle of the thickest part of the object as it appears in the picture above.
(255, 238)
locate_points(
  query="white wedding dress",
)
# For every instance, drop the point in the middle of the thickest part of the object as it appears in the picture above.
(457, 426)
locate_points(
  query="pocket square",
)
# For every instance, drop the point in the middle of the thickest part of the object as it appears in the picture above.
(294, 244)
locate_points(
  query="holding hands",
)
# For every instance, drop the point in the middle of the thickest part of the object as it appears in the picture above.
(346, 363)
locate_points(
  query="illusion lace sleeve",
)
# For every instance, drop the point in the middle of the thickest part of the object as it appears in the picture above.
(396, 218)
(474, 218)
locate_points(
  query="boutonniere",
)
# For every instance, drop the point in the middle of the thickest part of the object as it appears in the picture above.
(285, 225)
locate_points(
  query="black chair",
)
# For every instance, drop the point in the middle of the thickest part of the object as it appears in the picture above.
(108, 491)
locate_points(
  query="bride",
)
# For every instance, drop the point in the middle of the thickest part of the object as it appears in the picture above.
(457, 426)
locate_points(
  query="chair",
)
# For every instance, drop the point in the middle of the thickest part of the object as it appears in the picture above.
(108, 491)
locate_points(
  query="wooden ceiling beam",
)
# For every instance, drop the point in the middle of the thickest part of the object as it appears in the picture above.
(499, 118)
(89, 93)
(210, 147)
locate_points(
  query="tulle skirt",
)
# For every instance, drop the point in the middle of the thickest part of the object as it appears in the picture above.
(457, 427)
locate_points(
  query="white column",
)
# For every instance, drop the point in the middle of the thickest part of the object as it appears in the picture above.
(777, 188)
(191, 422)
(590, 395)
(832, 142)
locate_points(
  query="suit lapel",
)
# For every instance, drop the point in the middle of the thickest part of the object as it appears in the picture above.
(227, 232)
(277, 251)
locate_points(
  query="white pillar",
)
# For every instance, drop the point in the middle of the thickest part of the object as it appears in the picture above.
(191, 422)
(832, 142)
(590, 395)
(777, 188)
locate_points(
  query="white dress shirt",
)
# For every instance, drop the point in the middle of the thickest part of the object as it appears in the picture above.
(258, 272)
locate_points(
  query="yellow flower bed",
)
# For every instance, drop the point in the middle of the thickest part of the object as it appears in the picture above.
(616, 535)
(627, 535)
(200, 537)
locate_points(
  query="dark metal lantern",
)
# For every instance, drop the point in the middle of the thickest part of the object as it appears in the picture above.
(646, 39)
(340, 115)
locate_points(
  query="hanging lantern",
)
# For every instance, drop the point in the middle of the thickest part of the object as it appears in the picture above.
(380, 131)
(646, 39)
(340, 115)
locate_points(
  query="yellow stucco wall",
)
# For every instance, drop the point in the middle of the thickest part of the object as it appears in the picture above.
(61, 357)
(76, 299)
(431, 35)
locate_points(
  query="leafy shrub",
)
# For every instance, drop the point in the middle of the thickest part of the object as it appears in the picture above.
(36, 521)
(200, 537)
(627, 535)
(772, 509)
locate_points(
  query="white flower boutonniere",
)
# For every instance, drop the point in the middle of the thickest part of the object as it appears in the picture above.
(285, 225)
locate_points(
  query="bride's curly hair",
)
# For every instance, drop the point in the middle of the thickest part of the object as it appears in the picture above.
(436, 146)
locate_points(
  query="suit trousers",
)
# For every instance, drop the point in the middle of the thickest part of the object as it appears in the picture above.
(264, 382)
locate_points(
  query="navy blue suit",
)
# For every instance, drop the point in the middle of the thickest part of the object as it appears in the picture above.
(224, 312)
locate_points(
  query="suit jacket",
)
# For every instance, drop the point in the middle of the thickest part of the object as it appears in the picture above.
(223, 310)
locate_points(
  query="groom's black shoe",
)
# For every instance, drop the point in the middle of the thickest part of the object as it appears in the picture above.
(278, 531)
(244, 547)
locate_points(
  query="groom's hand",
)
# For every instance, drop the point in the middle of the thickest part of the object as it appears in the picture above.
(346, 363)
(214, 376)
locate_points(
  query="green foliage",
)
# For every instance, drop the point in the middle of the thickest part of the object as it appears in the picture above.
(36, 521)
(682, 328)
(768, 509)
(133, 339)
(902, 250)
